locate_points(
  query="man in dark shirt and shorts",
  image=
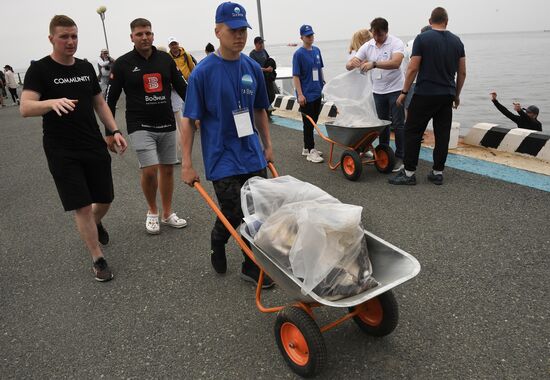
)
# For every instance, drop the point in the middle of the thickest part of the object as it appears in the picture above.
(147, 76)
(437, 56)
(64, 90)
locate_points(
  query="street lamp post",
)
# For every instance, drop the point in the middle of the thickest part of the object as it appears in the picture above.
(259, 6)
(101, 12)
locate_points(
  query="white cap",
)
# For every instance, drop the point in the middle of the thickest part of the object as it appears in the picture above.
(172, 39)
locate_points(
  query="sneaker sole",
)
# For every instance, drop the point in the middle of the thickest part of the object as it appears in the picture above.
(171, 225)
(152, 232)
(252, 280)
(315, 161)
(104, 279)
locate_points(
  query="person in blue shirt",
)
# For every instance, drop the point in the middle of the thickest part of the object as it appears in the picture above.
(308, 80)
(227, 93)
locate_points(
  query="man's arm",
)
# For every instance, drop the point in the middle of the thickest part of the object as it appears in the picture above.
(298, 87)
(392, 64)
(178, 81)
(31, 105)
(262, 125)
(412, 71)
(113, 91)
(187, 136)
(505, 111)
(460, 78)
(106, 117)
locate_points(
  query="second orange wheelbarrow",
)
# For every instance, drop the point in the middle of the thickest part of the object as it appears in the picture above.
(358, 149)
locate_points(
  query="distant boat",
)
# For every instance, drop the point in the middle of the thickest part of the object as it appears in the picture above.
(292, 44)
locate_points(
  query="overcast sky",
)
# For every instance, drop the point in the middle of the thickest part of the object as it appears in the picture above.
(25, 22)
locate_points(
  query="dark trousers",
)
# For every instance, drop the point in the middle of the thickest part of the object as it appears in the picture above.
(228, 192)
(387, 109)
(312, 109)
(421, 110)
(13, 92)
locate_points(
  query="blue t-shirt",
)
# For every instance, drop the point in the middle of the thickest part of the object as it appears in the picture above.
(303, 63)
(440, 52)
(212, 96)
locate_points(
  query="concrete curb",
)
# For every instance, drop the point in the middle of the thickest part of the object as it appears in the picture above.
(515, 140)
(289, 103)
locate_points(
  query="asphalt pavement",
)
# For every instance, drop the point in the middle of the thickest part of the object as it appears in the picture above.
(479, 309)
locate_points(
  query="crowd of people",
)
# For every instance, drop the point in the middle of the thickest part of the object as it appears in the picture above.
(227, 95)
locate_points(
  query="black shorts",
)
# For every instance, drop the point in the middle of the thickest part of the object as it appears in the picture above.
(82, 177)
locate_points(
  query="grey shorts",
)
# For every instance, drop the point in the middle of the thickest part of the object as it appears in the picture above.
(153, 148)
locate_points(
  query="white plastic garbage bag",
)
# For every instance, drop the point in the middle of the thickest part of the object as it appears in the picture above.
(351, 92)
(310, 233)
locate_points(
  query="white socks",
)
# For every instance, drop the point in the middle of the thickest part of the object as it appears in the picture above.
(409, 173)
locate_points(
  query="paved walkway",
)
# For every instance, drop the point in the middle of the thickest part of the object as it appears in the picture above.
(478, 309)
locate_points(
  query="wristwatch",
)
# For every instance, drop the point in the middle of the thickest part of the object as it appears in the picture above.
(115, 132)
(404, 92)
(374, 64)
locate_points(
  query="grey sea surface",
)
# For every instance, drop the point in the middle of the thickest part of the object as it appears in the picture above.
(515, 65)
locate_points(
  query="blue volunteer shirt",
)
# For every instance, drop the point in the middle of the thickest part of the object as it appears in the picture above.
(303, 63)
(440, 52)
(214, 90)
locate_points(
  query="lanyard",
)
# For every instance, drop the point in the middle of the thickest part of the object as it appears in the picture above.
(237, 86)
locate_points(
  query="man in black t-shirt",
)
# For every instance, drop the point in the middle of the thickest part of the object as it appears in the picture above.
(64, 90)
(268, 65)
(437, 56)
(147, 77)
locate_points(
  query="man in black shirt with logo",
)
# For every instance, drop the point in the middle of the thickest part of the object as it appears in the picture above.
(147, 76)
(64, 90)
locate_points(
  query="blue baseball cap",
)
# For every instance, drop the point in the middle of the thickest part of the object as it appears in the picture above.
(306, 30)
(233, 15)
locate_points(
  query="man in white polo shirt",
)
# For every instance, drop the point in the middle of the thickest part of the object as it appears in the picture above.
(382, 55)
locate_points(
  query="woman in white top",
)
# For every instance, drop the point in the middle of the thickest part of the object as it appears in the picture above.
(359, 38)
(11, 83)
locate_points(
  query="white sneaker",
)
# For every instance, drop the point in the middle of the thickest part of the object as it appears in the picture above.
(305, 152)
(314, 156)
(174, 221)
(369, 155)
(152, 224)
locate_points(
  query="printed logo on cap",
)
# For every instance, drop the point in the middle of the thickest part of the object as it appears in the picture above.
(237, 12)
(152, 83)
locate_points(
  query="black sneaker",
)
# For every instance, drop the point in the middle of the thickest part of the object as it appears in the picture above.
(436, 179)
(252, 274)
(218, 259)
(402, 179)
(101, 270)
(102, 234)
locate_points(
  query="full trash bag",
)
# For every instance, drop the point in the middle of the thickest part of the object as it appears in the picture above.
(309, 233)
(351, 92)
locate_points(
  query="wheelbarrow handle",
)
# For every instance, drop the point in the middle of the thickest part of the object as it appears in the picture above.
(197, 185)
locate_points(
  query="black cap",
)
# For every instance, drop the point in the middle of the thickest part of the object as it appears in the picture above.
(258, 40)
(532, 109)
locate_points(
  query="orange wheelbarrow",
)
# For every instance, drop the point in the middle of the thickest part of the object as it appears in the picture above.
(357, 143)
(298, 336)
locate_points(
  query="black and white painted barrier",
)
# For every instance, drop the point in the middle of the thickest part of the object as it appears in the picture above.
(289, 103)
(513, 140)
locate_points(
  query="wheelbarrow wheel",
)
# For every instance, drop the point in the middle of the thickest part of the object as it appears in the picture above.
(385, 158)
(351, 164)
(300, 341)
(378, 316)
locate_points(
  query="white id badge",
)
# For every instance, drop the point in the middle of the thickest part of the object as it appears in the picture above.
(243, 122)
(377, 74)
(315, 75)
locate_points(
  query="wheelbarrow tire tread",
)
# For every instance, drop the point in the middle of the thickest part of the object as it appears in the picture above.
(313, 336)
(390, 316)
(357, 165)
(389, 163)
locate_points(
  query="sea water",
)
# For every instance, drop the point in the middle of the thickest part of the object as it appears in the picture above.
(515, 65)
